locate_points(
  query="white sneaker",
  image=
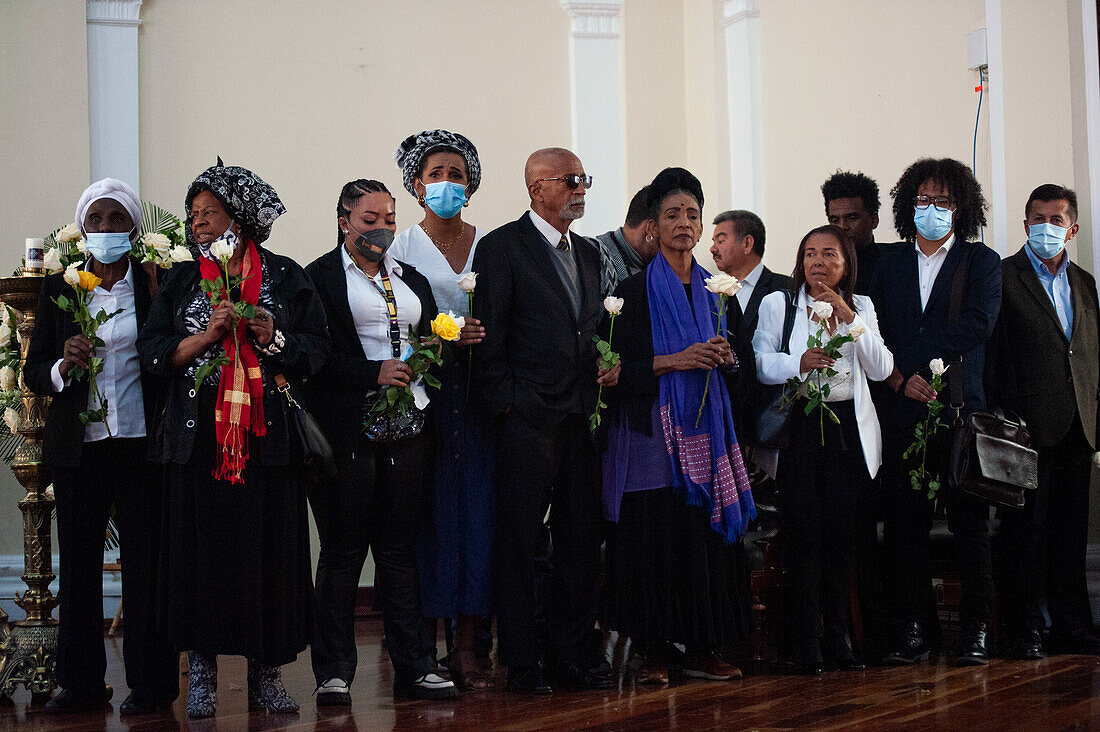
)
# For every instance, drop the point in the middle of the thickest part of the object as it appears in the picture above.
(333, 692)
(431, 686)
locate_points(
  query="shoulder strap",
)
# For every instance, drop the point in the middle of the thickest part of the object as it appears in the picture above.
(386, 291)
(788, 320)
(954, 311)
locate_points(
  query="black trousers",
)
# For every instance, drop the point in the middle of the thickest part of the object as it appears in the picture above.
(111, 471)
(377, 502)
(907, 521)
(819, 486)
(539, 467)
(1044, 543)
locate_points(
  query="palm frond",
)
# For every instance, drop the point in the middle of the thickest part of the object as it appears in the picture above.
(9, 443)
(158, 220)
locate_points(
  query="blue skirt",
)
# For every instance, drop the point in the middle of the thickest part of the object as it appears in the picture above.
(455, 547)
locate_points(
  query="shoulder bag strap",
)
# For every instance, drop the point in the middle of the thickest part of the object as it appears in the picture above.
(954, 312)
(788, 321)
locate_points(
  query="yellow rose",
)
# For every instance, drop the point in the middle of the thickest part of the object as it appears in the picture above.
(88, 281)
(445, 327)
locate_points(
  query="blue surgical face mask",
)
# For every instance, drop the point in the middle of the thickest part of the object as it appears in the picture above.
(1046, 240)
(932, 223)
(107, 246)
(446, 199)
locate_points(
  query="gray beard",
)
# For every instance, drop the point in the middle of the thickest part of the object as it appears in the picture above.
(568, 213)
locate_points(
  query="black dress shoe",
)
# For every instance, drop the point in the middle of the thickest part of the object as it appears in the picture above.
(973, 652)
(136, 704)
(845, 662)
(814, 668)
(909, 650)
(1080, 641)
(1029, 647)
(527, 680)
(581, 677)
(77, 700)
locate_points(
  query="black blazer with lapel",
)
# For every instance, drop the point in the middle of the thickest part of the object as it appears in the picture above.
(1031, 369)
(337, 392)
(537, 355)
(916, 337)
(63, 436)
(768, 283)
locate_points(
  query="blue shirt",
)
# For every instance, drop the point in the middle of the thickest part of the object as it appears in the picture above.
(1057, 288)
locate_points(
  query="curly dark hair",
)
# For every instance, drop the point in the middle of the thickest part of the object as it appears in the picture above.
(961, 185)
(843, 184)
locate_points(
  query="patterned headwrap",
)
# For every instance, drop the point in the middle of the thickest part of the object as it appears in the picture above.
(410, 154)
(250, 201)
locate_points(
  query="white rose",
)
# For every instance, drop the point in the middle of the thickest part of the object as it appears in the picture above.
(12, 419)
(937, 366)
(221, 249)
(613, 305)
(7, 378)
(81, 245)
(5, 316)
(458, 319)
(180, 254)
(68, 233)
(856, 331)
(52, 260)
(72, 274)
(823, 310)
(5, 334)
(158, 242)
(723, 284)
(468, 281)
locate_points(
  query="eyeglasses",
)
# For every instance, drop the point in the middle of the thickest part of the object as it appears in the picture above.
(572, 180)
(943, 203)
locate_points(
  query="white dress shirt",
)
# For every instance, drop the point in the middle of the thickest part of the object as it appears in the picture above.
(372, 317)
(871, 360)
(748, 284)
(120, 381)
(929, 266)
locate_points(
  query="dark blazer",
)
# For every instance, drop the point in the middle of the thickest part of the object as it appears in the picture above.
(537, 355)
(336, 395)
(63, 437)
(915, 338)
(768, 283)
(1031, 369)
(298, 316)
(633, 341)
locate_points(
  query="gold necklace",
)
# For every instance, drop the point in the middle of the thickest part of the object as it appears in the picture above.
(441, 247)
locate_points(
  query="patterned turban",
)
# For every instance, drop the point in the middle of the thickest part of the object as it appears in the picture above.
(411, 153)
(248, 200)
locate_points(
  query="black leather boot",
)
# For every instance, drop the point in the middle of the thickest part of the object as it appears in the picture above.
(973, 652)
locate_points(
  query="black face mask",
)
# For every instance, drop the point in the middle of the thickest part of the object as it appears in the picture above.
(373, 244)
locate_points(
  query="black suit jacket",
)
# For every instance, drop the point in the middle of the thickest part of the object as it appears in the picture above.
(915, 338)
(768, 283)
(537, 355)
(63, 436)
(1031, 369)
(336, 394)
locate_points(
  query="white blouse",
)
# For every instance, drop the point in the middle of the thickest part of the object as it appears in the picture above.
(413, 246)
(871, 359)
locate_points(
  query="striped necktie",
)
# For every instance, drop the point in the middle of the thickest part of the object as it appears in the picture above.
(563, 243)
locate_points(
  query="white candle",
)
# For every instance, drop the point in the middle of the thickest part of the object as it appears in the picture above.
(35, 256)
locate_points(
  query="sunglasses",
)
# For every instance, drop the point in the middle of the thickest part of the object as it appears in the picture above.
(572, 180)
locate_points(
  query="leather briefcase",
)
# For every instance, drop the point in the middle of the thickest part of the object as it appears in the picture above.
(992, 459)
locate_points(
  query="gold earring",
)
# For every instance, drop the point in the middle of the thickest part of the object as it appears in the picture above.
(466, 204)
(420, 200)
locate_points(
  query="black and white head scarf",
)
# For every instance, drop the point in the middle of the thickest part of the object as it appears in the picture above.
(248, 200)
(411, 153)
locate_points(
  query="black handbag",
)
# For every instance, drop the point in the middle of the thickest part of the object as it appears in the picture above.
(991, 456)
(992, 459)
(770, 406)
(316, 451)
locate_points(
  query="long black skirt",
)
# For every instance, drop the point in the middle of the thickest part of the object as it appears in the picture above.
(671, 578)
(236, 569)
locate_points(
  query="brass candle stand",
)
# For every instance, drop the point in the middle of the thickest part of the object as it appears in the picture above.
(28, 653)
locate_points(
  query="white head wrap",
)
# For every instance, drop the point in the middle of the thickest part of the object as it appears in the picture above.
(109, 188)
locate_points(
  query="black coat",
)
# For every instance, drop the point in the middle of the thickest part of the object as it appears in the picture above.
(768, 283)
(299, 316)
(337, 394)
(536, 355)
(915, 338)
(1031, 369)
(63, 437)
(633, 341)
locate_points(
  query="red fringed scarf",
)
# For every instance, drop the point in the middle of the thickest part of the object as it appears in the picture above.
(240, 406)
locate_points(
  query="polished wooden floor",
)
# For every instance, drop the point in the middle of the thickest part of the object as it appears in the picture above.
(1058, 693)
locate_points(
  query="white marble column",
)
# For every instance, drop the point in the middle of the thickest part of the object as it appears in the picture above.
(596, 84)
(113, 89)
(741, 20)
